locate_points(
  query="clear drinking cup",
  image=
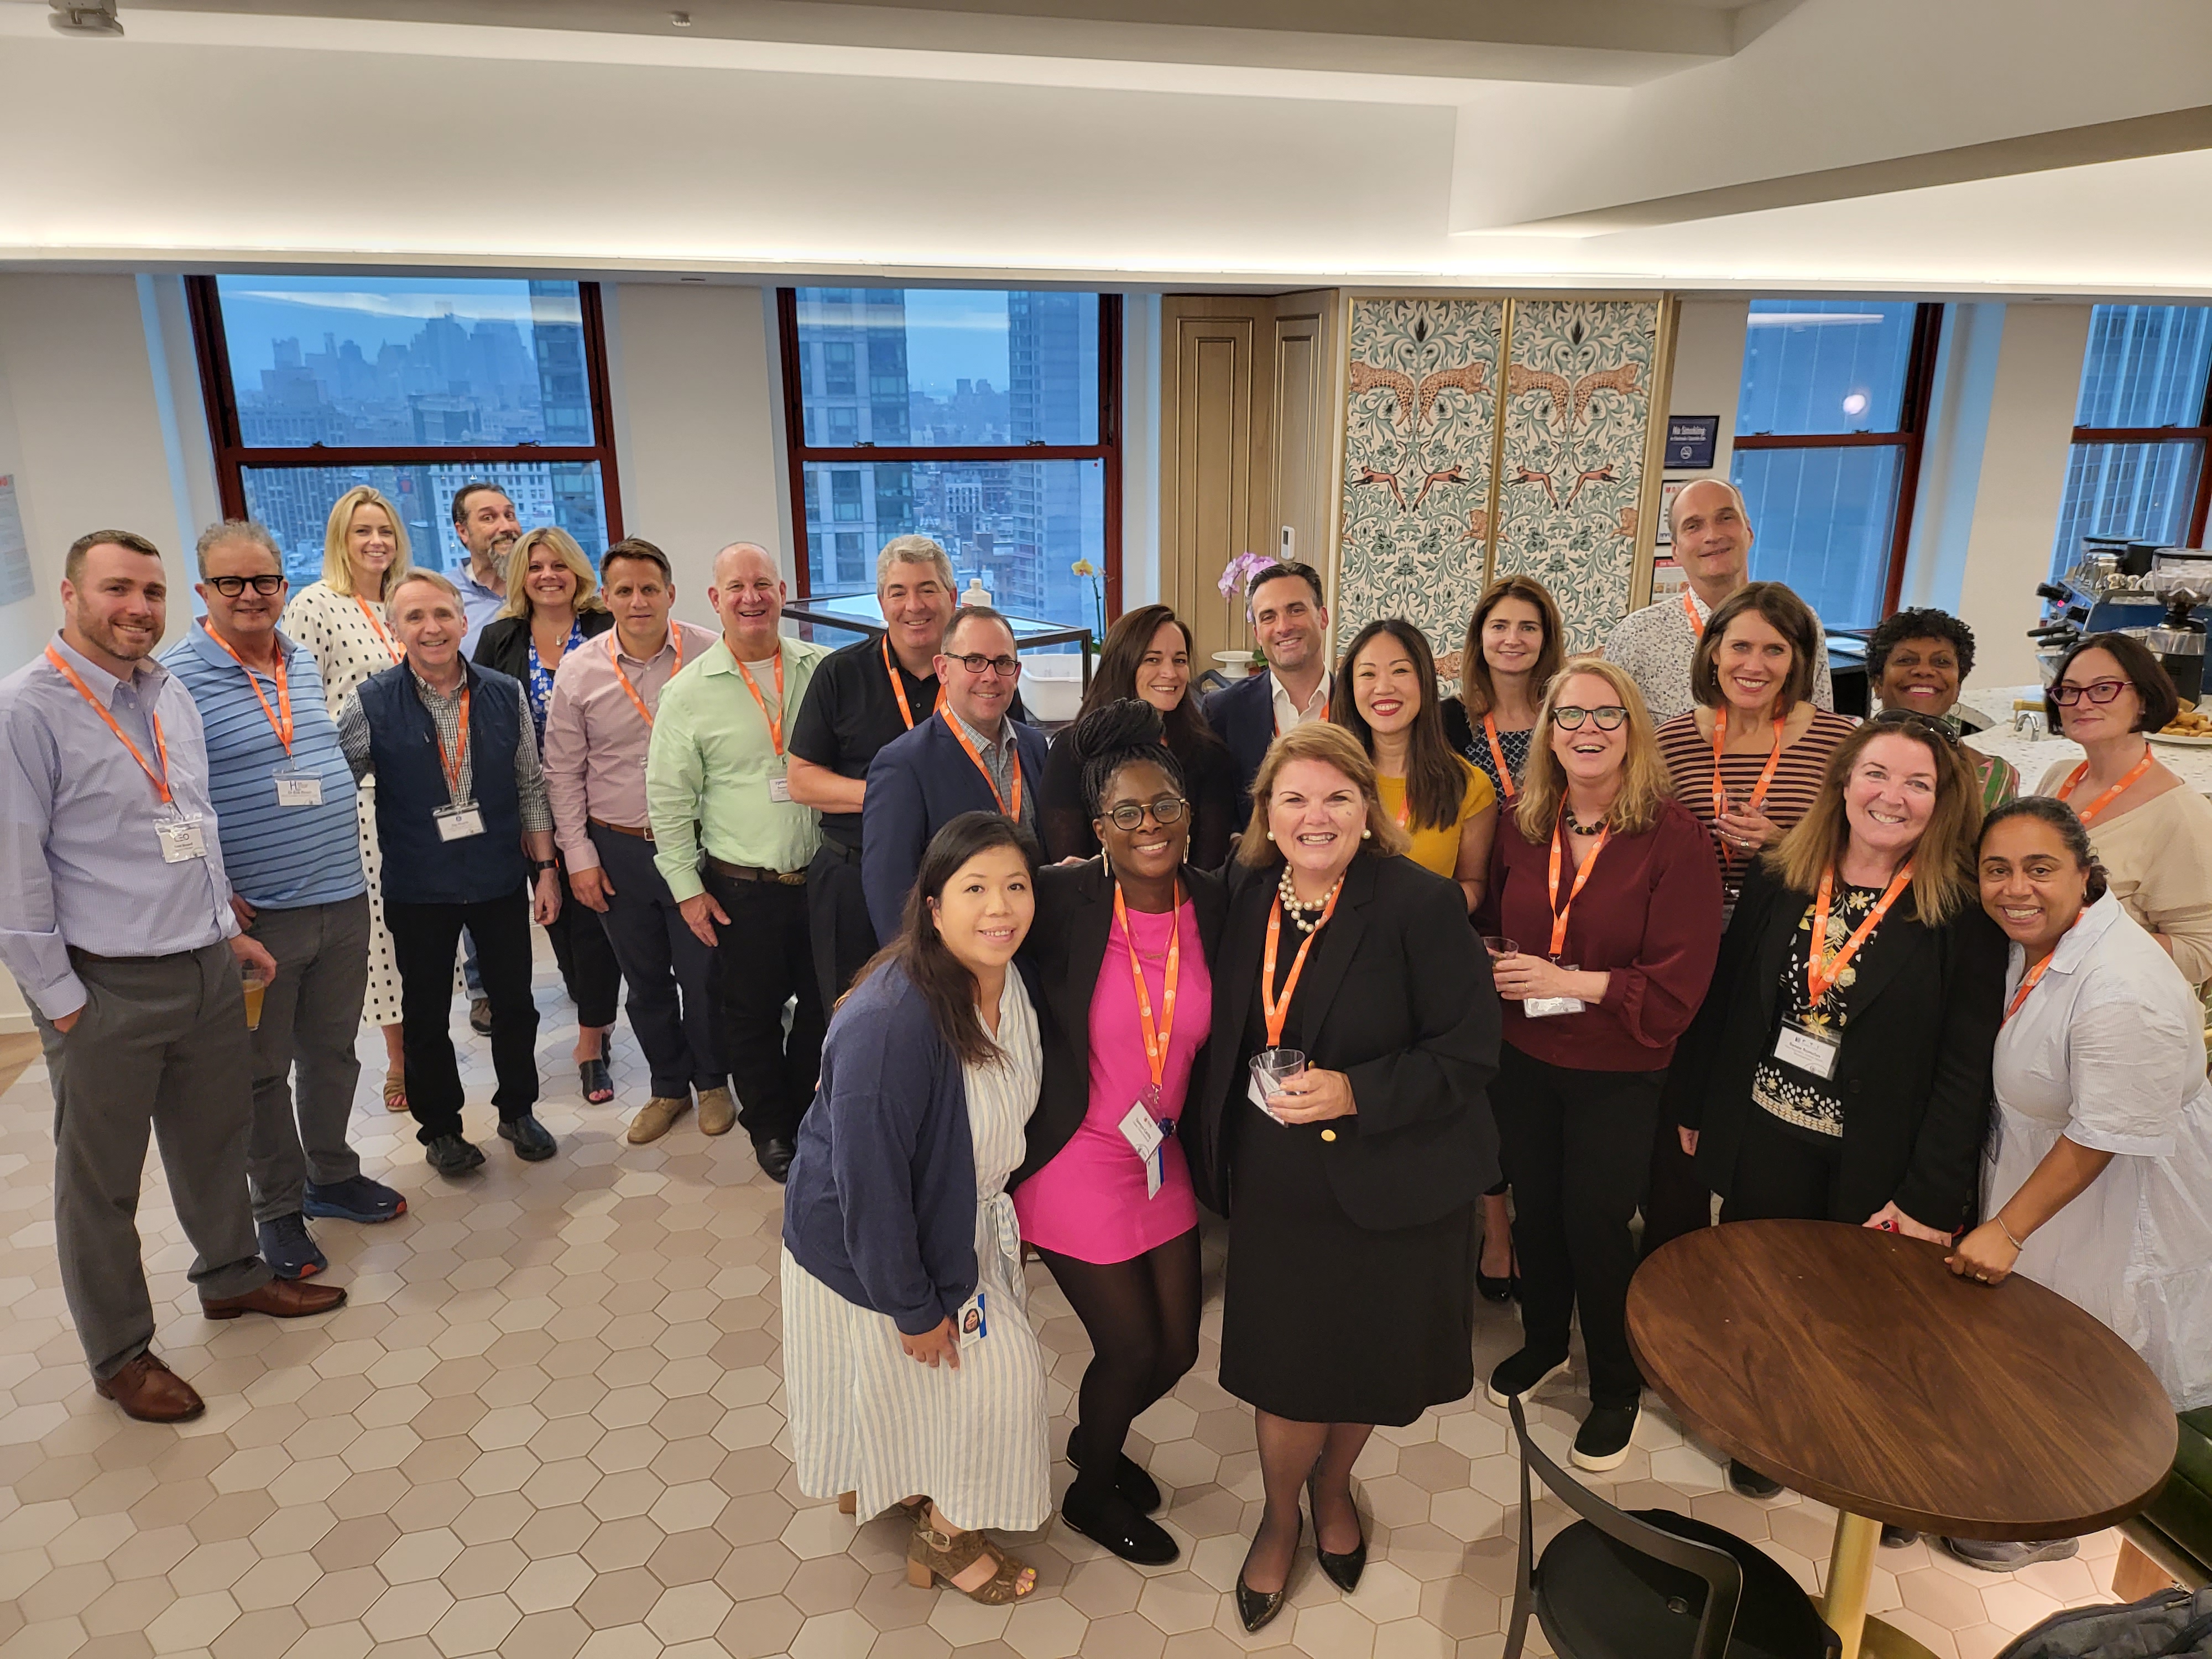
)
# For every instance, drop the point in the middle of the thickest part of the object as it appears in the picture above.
(1499, 946)
(254, 981)
(1273, 1067)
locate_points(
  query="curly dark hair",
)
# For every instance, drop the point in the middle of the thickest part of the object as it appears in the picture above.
(1110, 735)
(1921, 622)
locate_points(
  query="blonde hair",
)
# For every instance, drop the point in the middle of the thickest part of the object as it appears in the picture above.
(1332, 745)
(1644, 779)
(1944, 879)
(564, 548)
(338, 567)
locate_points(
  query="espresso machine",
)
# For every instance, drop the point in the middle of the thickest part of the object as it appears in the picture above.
(2159, 595)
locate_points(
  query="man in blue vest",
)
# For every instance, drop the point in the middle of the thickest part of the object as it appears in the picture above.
(467, 837)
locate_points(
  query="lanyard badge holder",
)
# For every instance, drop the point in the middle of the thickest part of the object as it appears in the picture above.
(1142, 1126)
(182, 834)
(779, 786)
(1814, 1049)
(1548, 1007)
(974, 1322)
(458, 820)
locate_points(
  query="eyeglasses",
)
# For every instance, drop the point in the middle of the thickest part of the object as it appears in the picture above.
(1166, 810)
(1912, 720)
(2097, 691)
(231, 587)
(977, 663)
(1608, 719)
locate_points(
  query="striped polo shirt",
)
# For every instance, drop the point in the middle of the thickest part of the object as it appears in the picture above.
(277, 857)
(1688, 753)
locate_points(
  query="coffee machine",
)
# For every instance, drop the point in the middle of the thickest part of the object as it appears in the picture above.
(2159, 595)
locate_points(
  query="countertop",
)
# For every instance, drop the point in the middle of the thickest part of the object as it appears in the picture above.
(2036, 756)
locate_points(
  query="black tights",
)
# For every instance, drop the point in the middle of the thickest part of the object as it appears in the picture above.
(1142, 1318)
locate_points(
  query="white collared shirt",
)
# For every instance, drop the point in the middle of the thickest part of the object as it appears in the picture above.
(1288, 713)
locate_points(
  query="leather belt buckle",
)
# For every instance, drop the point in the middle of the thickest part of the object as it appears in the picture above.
(644, 833)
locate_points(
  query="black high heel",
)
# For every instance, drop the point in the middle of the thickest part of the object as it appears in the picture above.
(1494, 1290)
(1343, 1570)
(1254, 1609)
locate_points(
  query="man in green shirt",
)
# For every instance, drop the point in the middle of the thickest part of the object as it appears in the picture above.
(734, 846)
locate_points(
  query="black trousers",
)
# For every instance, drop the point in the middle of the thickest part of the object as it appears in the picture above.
(672, 978)
(424, 939)
(1783, 1175)
(1578, 1146)
(768, 960)
(588, 960)
(837, 919)
(1676, 1199)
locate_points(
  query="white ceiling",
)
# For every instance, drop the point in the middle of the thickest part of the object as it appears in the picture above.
(1953, 146)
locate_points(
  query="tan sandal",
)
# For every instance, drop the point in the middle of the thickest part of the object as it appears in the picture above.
(395, 1092)
(930, 1555)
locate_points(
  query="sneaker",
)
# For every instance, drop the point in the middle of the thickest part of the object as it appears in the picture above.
(1523, 1373)
(1896, 1538)
(656, 1118)
(2009, 1557)
(355, 1198)
(288, 1250)
(716, 1113)
(530, 1140)
(450, 1155)
(1603, 1442)
(480, 1016)
(1749, 1482)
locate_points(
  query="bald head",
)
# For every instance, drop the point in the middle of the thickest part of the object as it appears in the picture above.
(748, 595)
(1712, 536)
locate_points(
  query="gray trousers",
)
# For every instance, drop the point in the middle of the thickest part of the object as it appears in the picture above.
(161, 1045)
(310, 1018)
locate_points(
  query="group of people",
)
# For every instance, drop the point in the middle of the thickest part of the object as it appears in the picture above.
(1432, 997)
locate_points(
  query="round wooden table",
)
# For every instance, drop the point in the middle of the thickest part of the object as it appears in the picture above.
(1854, 1367)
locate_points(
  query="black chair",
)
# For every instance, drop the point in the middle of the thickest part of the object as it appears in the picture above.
(1651, 1585)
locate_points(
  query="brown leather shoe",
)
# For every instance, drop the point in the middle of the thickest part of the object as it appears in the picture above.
(716, 1114)
(280, 1299)
(656, 1117)
(149, 1391)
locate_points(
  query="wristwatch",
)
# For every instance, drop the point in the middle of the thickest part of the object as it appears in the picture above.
(539, 867)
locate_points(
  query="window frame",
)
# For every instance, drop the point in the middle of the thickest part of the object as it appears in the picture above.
(203, 300)
(1910, 438)
(800, 454)
(2200, 434)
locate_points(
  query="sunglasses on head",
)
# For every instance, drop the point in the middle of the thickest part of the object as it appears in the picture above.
(1911, 721)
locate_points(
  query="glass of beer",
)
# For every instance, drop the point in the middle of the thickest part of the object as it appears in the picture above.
(253, 979)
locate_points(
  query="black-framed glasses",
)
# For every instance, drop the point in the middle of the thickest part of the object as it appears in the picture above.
(1912, 719)
(977, 663)
(1165, 809)
(2098, 691)
(1609, 718)
(231, 587)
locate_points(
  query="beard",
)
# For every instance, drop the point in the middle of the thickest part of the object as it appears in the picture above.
(124, 647)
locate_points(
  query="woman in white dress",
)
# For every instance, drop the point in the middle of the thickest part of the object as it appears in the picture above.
(911, 1374)
(2099, 1178)
(341, 622)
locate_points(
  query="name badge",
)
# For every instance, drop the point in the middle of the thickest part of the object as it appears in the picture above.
(298, 788)
(1146, 1138)
(779, 789)
(1259, 1098)
(975, 1318)
(1544, 1007)
(1808, 1050)
(183, 837)
(458, 823)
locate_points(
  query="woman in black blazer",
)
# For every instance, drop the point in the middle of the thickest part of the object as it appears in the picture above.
(1105, 1195)
(552, 607)
(1351, 1191)
(1853, 1084)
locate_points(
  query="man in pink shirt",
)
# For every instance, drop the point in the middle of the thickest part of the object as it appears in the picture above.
(597, 727)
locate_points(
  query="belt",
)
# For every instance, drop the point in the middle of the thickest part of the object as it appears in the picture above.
(622, 828)
(837, 850)
(749, 872)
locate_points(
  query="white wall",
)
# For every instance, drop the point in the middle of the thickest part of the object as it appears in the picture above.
(1709, 340)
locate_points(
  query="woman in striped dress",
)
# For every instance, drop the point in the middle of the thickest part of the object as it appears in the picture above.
(340, 620)
(911, 1374)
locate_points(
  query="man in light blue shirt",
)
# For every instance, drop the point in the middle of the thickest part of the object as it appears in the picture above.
(115, 920)
(484, 519)
(286, 805)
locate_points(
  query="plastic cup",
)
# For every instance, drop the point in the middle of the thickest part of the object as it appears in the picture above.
(1499, 946)
(255, 983)
(1272, 1067)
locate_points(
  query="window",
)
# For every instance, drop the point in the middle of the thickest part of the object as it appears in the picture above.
(2137, 465)
(414, 385)
(985, 418)
(1827, 449)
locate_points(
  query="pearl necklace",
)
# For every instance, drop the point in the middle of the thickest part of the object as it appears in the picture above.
(1295, 908)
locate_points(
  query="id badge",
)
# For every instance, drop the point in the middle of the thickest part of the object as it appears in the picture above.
(1259, 1098)
(1808, 1050)
(296, 786)
(458, 823)
(975, 1318)
(1145, 1138)
(779, 790)
(1544, 1007)
(184, 836)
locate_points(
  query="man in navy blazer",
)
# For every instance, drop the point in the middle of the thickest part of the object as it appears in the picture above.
(970, 757)
(1291, 622)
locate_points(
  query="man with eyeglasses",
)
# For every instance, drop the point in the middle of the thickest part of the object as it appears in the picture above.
(972, 757)
(287, 811)
(733, 846)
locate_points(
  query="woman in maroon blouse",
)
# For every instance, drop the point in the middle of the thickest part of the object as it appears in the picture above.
(1609, 887)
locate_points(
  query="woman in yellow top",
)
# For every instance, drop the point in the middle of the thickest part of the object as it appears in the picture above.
(1386, 696)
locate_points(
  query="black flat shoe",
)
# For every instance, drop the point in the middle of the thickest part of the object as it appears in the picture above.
(1254, 1609)
(1129, 1478)
(1113, 1522)
(1749, 1482)
(1343, 1570)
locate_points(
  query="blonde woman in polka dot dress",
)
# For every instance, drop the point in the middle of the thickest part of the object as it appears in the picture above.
(341, 622)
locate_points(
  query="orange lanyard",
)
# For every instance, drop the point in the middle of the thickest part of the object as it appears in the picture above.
(280, 725)
(1157, 1037)
(1278, 1013)
(898, 688)
(2032, 978)
(1014, 756)
(1820, 974)
(1766, 773)
(453, 762)
(1589, 863)
(774, 721)
(1689, 610)
(1504, 772)
(160, 780)
(383, 638)
(676, 639)
(2088, 814)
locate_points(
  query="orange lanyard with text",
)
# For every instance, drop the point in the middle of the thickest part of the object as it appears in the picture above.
(1766, 773)
(281, 725)
(1823, 971)
(774, 721)
(1157, 1037)
(1689, 610)
(160, 780)
(382, 638)
(676, 639)
(2088, 814)
(1013, 758)
(1278, 1013)
(1497, 754)
(1589, 863)
(2034, 977)
(898, 689)
(453, 762)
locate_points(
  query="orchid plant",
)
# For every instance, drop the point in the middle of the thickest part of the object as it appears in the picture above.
(1235, 580)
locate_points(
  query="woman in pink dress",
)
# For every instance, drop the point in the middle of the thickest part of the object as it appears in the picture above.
(1121, 950)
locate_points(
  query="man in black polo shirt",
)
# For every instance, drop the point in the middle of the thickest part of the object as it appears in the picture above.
(863, 697)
